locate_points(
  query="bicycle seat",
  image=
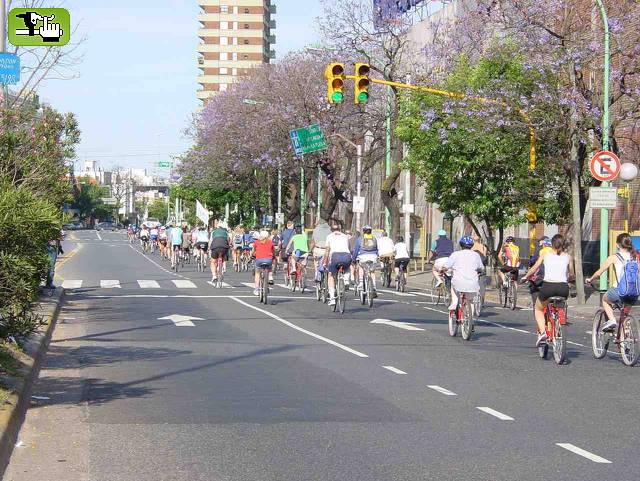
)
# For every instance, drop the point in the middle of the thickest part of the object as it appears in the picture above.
(557, 300)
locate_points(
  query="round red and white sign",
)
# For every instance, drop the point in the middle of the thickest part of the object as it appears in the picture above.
(604, 166)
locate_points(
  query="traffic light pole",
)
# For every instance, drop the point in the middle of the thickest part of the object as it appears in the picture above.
(358, 182)
(302, 192)
(319, 203)
(387, 166)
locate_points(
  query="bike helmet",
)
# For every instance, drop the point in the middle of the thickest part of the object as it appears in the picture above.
(509, 239)
(366, 228)
(466, 242)
(442, 233)
(546, 241)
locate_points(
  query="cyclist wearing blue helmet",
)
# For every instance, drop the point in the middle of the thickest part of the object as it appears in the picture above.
(466, 264)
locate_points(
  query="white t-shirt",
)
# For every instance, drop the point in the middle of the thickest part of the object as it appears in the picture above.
(385, 246)
(202, 236)
(401, 251)
(338, 243)
(153, 231)
(465, 265)
(555, 267)
(619, 264)
(144, 233)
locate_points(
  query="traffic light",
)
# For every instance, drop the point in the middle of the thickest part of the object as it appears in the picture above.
(335, 82)
(361, 92)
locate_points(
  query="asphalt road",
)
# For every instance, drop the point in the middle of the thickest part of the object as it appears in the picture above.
(292, 391)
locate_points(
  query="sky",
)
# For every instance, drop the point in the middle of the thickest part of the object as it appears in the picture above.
(136, 86)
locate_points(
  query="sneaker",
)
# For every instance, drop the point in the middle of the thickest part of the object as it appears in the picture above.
(256, 292)
(332, 302)
(375, 294)
(542, 338)
(214, 279)
(438, 283)
(610, 325)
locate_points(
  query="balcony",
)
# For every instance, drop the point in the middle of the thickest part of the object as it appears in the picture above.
(271, 24)
(271, 54)
(272, 9)
(271, 39)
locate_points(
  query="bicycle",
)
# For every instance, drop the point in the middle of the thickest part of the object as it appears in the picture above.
(555, 315)
(385, 273)
(322, 286)
(463, 316)
(508, 291)
(145, 246)
(264, 282)
(298, 279)
(478, 300)
(219, 272)
(401, 281)
(625, 335)
(245, 260)
(441, 292)
(341, 292)
(366, 290)
(201, 260)
(175, 257)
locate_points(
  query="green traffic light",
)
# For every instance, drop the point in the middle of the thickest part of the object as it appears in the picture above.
(363, 97)
(337, 97)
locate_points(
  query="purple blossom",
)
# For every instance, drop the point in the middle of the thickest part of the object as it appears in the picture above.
(453, 125)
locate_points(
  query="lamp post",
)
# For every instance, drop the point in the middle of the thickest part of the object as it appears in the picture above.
(628, 172)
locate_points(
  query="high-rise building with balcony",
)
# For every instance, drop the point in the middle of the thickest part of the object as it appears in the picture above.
(236, 37)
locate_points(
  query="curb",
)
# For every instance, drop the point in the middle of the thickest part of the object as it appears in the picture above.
(13, 413)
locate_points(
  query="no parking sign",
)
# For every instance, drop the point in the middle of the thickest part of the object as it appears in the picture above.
(604, 166)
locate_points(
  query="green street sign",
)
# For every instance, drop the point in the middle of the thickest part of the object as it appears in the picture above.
(39, 27)
(308, 139)
(164, 164)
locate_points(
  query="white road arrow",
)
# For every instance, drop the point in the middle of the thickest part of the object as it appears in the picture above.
(402, 325)
(181, 321)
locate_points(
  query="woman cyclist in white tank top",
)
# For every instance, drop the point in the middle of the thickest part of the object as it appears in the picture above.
(625, 253)
(557, 269)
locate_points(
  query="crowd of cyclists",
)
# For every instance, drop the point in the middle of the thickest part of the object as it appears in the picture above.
(359, 255)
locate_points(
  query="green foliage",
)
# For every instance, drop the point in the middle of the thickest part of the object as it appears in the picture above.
(158, 210)
(88, 200)
(215, 199)
(473, 156)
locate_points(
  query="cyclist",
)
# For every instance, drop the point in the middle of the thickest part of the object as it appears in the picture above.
(386, 252)
(247, 243)
(318, 246)
(557, 268)
(219, 247)
(300, 245)
(263, 250)
(337, 253)
(626, 254)
(366, 250)
(237, 244)
(276, 239)
(153, 235)
(441, 249)
(285, 237)
(144, 235)
(162, 239)
(466, 264)
(131, 233)
(510, 256)
(401, 254)
(186, 242)
(202, 241)
(176, 245)
(535, 280)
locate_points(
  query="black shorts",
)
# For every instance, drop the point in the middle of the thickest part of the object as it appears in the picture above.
(553, 289)
(402, 262)
(176, 247)
(219, 253)
(512, 270)
(202, 245)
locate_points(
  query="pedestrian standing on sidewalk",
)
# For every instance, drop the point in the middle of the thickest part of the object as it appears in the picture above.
(54, 247)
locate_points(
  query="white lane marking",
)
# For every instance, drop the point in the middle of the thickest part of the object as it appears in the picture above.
(110, 284)
(497, 414)
(181, 321)
(401, 325)
(186, 296)
(248, 284)
(402, 294)
(442, 390)
(284, 286)
(435, 310)
(183, 284)
(147, 284)
(98, 234)
(423, 294)
(298, 328)
(224, 285)
(585, 454)
(502, 326)
(394, 369)
(72, 284)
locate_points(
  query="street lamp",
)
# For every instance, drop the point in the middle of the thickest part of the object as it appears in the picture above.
(628, 172)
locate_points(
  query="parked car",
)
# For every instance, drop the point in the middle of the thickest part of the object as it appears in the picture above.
(73, 226)
(112, 226)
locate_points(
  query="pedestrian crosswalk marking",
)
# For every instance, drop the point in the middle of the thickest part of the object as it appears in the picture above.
(72, 284)
(110, 284)
(183, 284)
(147, 284)
(249, 284)
(224, 285)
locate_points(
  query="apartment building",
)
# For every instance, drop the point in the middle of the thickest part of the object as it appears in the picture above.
(236, 37)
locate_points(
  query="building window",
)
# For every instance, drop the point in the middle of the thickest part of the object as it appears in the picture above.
(246, 26)
(224, 9)
(246, 10)
(245, 57)
(235, 40)
(223, 71)
(235, 10)
(224, 56)
(224, 25)
(234, 72)
(246, 41)
(223, 87)
(235, 25)
(224, 41)
(235, 56)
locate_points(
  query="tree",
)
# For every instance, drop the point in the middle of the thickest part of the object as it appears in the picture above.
(88, 199)
(158, 210)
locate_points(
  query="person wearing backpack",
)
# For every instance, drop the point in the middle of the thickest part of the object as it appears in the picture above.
(557, 269)
(626, 269)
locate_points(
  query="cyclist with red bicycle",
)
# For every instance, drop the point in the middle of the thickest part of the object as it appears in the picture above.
(300, 244)
(557, 269)
(337, 254)
(466, 265)
(219, 246)
(264, 253)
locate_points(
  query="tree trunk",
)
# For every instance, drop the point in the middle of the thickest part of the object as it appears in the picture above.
(575, 195)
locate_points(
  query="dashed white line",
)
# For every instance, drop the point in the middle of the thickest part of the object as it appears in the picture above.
(497, 414)
(298, 328)
(72, 284)
(442, 390)
(98, 234)
(183, 284)
(394, 369)
(148, 284)
(585, 454)
(402, 294)
(224, 285)
(110, 284)
(248, 284)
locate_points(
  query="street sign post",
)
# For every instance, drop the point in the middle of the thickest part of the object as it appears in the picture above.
(603, 197)
(9, 68)
(280, 218)
(307, 140)
(604, 166)
(358, 205)
(408, 208)
(164, 164)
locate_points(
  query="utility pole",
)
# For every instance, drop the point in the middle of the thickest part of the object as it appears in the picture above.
(358, 181)
(3, 44)
(387, 165)
(302, 192)
(319, 187)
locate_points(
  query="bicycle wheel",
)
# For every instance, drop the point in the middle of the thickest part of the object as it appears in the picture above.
(629, 350)
(319, 290)
(477, 306)
(514, 294)
(341, 298)
(337, 299)
(325, 287)
(599, 339)
(403, 282)
(467, 320)
(294, 281)
(435, 292)
(559, 343)
(303, 280)
(504, 296)
(453, 323)
(370, 291)
(265, 287)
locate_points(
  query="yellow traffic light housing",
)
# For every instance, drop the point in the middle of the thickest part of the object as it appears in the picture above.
(335, 82)
(362, 82)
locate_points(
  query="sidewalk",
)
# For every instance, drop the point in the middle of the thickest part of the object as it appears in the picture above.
(422, 281)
